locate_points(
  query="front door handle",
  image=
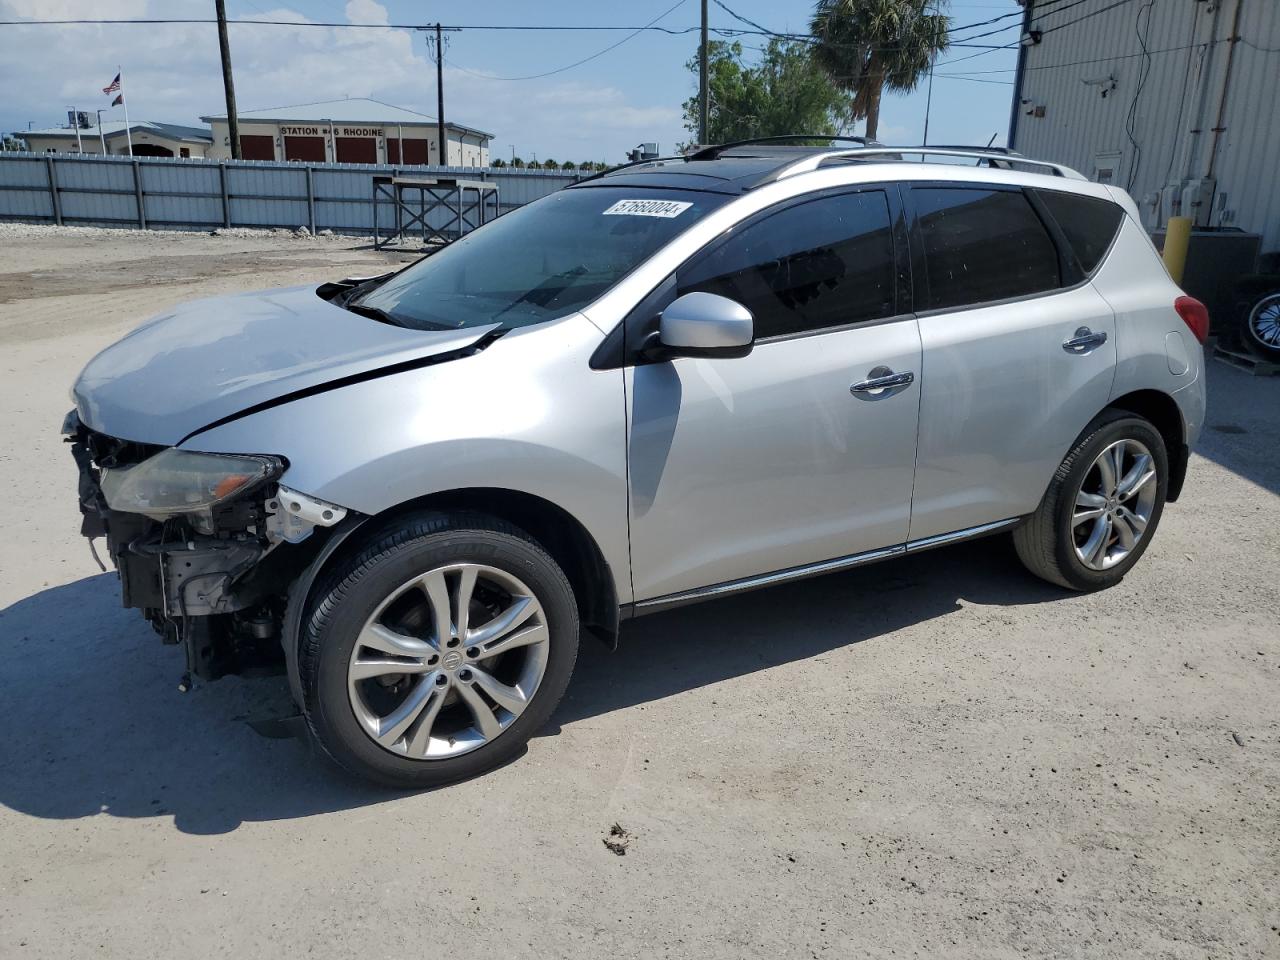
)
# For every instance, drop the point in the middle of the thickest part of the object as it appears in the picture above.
(1084, 341)
(880, 380)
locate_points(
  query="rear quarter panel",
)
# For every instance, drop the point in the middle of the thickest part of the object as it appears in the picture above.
(1154, 348)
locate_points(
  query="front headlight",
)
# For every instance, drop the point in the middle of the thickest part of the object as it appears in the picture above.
(176, 482)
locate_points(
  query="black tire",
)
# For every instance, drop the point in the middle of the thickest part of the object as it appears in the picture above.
(1258, 325)
(1044, 541)
(352, 592)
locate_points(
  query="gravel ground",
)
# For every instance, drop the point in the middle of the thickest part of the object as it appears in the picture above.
(939, 756)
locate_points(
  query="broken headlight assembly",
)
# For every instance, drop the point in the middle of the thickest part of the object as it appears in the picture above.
(185, 483)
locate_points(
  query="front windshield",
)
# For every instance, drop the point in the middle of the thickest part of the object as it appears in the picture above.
(541, 261)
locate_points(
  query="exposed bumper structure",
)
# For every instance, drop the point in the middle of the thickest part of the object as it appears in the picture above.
(214, 581)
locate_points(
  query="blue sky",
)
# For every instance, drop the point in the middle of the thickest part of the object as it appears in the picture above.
(597, 110)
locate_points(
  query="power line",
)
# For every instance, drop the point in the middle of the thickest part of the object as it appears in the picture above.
(152, 21)
(1080, 63)
(578, 63)
(951, 76)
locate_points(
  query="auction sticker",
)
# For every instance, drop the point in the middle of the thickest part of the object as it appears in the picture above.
(648, 208)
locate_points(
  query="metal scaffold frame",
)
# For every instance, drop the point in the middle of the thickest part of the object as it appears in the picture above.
(414, 198)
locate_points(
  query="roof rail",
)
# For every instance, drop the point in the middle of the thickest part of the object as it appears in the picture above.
(714, 151)
(1004, 151)
(813, 162)
(629, 163)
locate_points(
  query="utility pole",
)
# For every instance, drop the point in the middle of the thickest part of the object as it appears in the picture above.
(75, 121)
(436, 45)
(444, 144)
(702, 80)
(928, 102)
(228, 85)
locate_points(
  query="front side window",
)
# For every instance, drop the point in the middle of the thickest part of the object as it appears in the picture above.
(541, 261)
(982, 245)
(824, 263)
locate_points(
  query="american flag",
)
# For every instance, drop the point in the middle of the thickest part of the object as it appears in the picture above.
(113, 86)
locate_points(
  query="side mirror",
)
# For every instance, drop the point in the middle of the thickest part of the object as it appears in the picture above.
(705, 325)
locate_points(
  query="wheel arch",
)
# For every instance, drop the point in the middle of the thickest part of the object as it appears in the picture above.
(559, 532)
(1164, 414)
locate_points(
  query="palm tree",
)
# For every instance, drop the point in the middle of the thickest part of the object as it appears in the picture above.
(868, 45)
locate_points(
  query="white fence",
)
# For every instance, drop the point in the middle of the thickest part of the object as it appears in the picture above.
(144, 192)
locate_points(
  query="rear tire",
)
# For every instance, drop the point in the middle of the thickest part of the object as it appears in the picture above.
(435, 652)
(1089, 530)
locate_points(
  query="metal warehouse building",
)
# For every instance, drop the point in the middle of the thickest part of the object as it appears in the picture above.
(1178, 101)
(348, 131)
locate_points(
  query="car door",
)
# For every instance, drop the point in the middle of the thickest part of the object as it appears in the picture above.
(785, 457)
(1019, 353)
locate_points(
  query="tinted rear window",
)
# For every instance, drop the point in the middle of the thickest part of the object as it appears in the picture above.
(982, 245)
(1088, 223)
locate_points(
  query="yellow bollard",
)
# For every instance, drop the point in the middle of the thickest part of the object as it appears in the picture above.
(1177, 237)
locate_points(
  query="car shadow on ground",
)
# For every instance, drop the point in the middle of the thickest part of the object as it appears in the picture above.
(96, 724)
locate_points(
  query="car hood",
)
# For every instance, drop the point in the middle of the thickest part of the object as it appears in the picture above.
(211, 359)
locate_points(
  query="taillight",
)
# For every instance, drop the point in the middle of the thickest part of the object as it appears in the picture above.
(1195, 315)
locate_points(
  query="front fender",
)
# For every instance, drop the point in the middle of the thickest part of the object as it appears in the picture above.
(526, 414)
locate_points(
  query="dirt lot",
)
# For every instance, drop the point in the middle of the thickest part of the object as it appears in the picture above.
(940, 756)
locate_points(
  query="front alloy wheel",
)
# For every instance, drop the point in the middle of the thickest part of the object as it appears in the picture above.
(448, 661)
(437, 650)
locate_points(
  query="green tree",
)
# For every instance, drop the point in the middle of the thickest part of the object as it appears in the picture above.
(517, 162)
(549, 164)
(568, 165)
(786, 92)
(498, 162)
(866, 46)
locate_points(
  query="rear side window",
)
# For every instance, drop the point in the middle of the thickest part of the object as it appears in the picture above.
(1088, 223)
(824, 263)
(982, 245)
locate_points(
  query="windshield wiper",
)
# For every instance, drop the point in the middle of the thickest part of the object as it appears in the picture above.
(374, 313)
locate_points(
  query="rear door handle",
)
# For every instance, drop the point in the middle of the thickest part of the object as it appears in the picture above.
(1084, 341)
(881, 379)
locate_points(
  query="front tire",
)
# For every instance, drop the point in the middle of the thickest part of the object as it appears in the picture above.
(435, 652)
(1102, 506)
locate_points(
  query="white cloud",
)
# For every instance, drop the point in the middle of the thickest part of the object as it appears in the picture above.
(172, 73)
(366, 11)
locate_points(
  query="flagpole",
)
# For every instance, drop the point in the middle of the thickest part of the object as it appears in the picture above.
(124, 101)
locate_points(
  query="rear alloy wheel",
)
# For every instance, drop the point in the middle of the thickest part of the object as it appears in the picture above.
(1114, 505)
(437, 651)
(1262, 326)
(1102, 506)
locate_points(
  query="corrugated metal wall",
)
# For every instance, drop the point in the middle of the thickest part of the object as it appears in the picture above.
(1086, 46)
(159, 192)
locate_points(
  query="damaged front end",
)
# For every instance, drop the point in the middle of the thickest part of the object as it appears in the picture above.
(205, 545)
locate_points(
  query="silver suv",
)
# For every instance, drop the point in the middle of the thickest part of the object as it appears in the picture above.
(681, 379)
